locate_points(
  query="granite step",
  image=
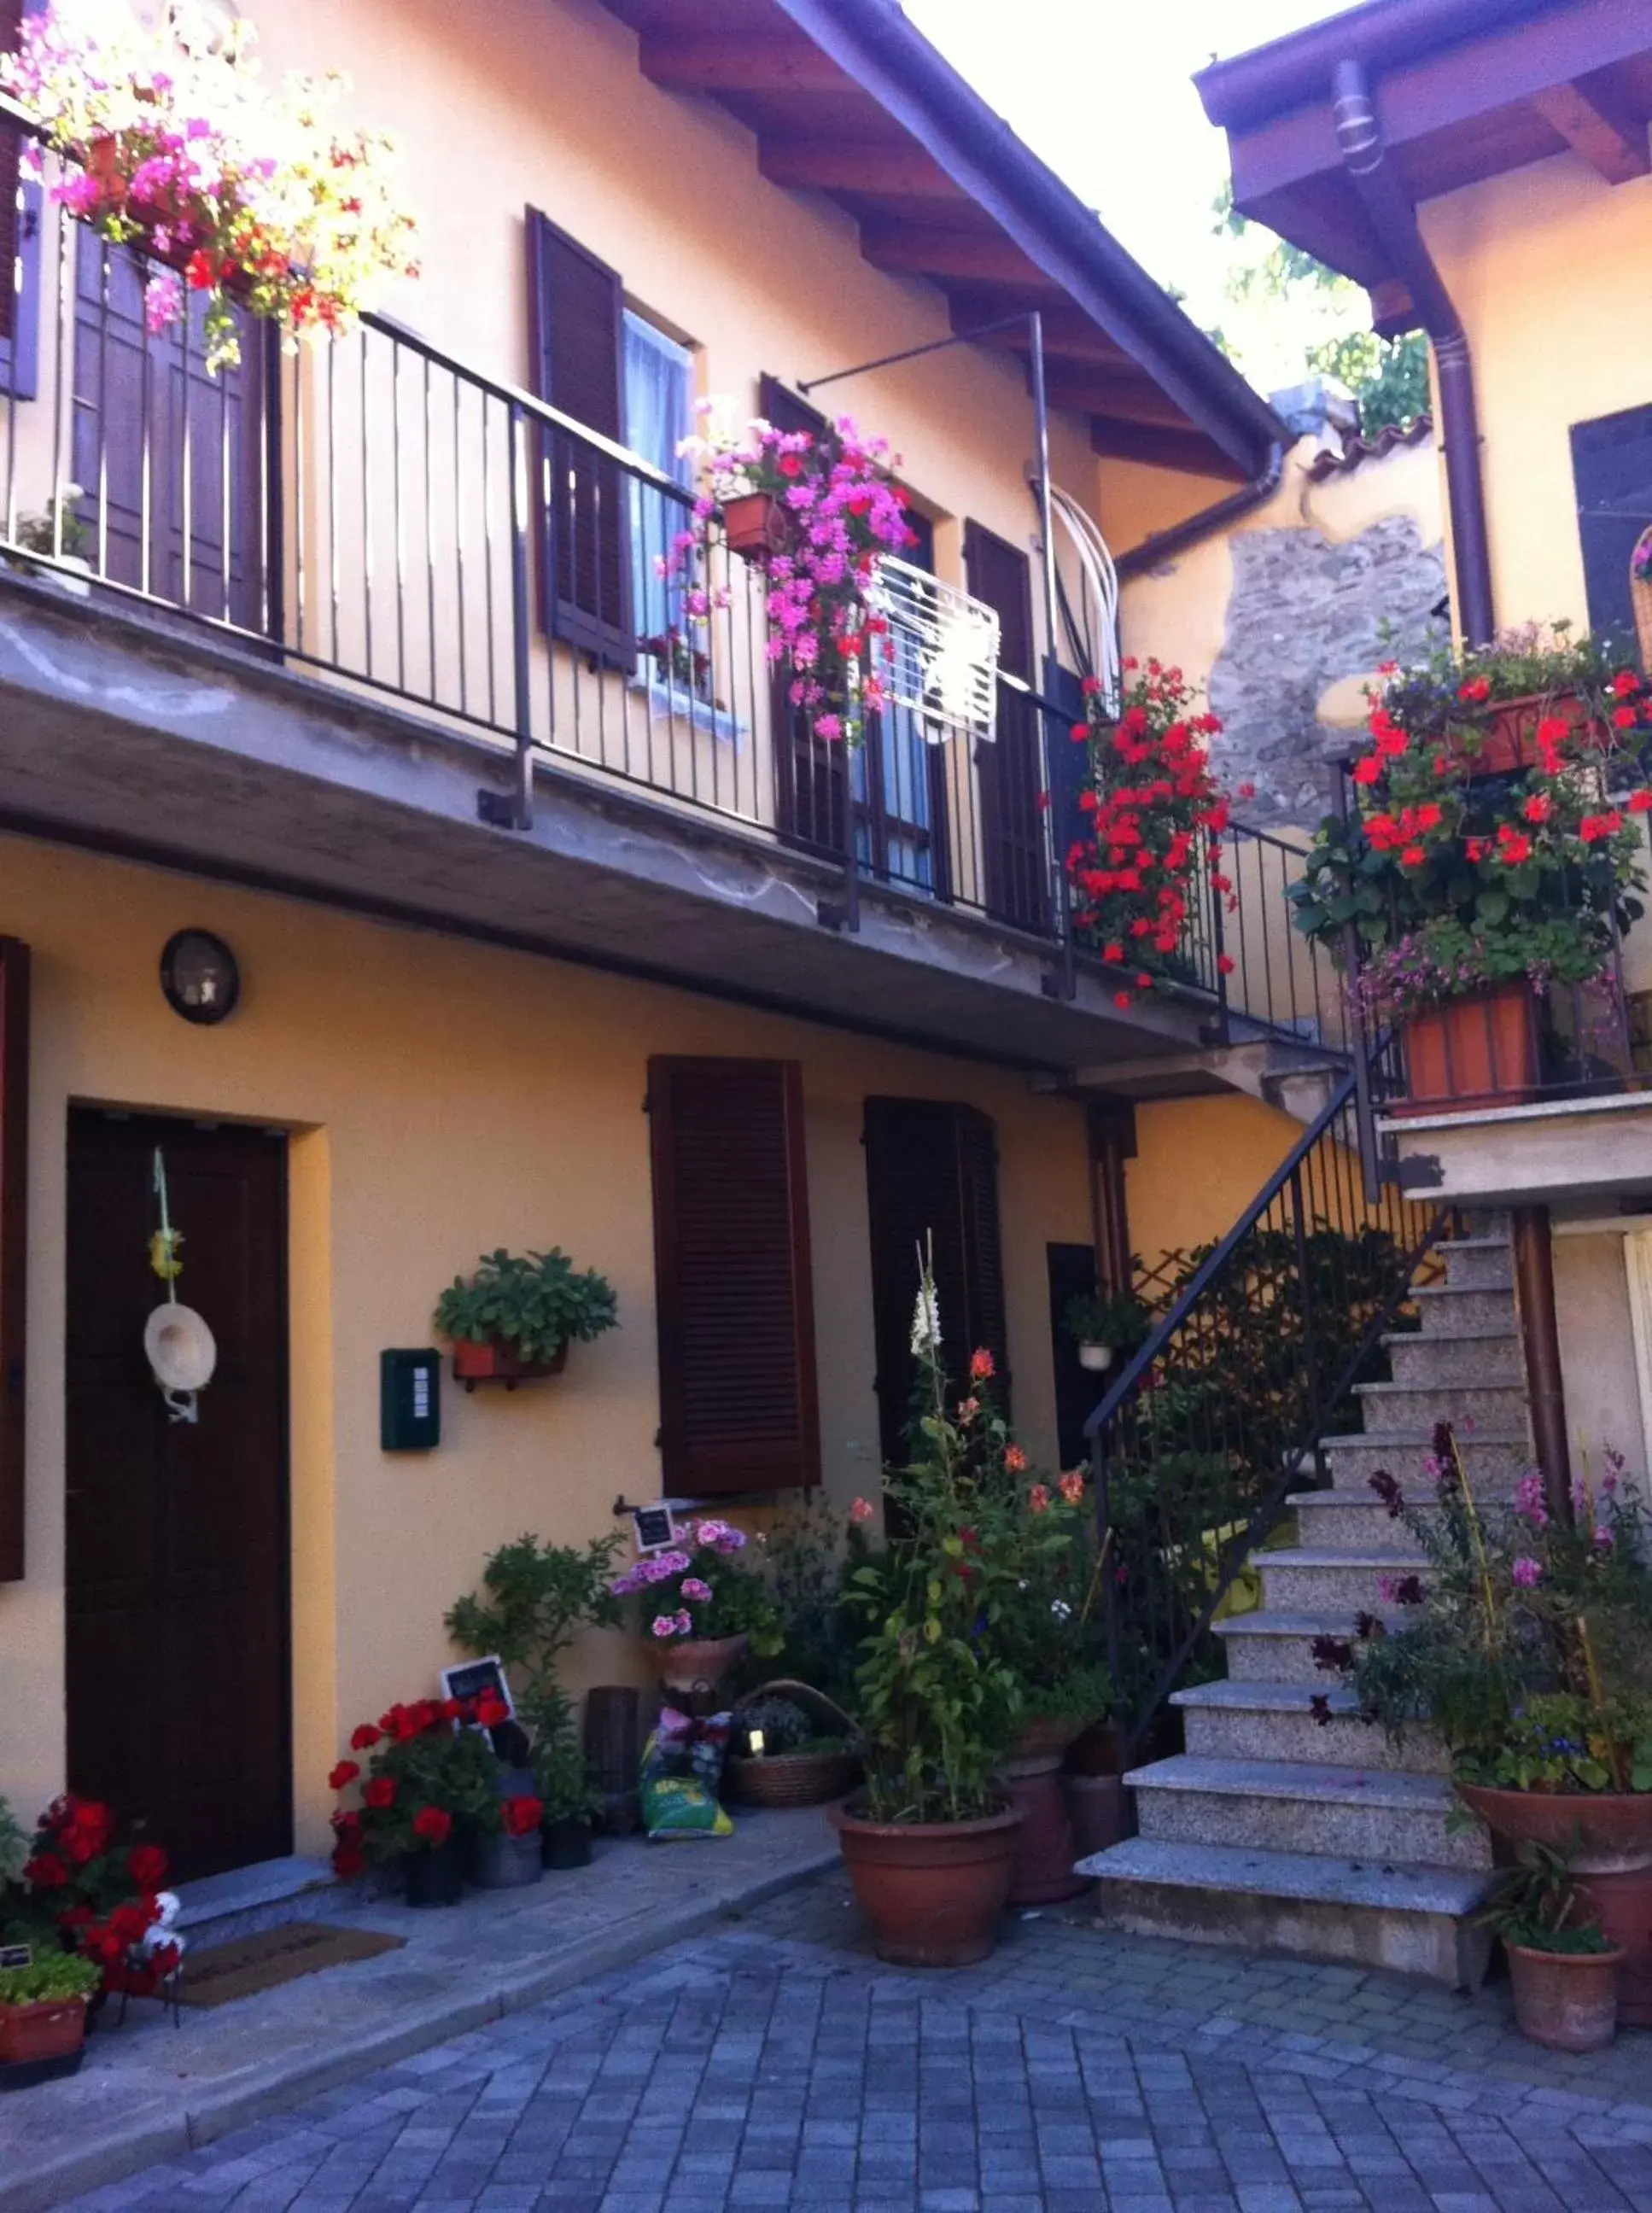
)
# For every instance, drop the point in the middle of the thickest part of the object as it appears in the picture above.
(1466, 1407)
(1478, 1264)
(1275, 1647)
(1444, 1308)
(1458, 1356)
(1299, 1581)
(1398, 1914)
(1343, 1521)
(1495, 1454)
(1359, 1813)
(222, 1908)
(1234, 1720)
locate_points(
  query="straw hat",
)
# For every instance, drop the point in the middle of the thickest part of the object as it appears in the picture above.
(180, 1347)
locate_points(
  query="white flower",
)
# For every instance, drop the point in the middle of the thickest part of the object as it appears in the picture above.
(926, 1318)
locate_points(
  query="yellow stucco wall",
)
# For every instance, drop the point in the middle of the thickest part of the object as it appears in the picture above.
(1199, 1164)
(1542, 264)
(444, 1098)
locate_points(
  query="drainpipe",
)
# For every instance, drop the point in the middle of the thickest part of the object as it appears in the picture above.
(1393, 220)
(1209, 520)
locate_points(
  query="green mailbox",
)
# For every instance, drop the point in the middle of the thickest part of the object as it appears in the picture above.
(410, 1400)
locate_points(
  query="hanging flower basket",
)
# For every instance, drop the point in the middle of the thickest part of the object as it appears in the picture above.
(755, 526)
(171, 144)
(1511, 740)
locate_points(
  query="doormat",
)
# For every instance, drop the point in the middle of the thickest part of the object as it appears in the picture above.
(227, 1971)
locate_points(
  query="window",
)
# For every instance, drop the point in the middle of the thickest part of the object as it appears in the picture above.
(658, 376)
(20, 241)
(576, 321)
(738, 1404)
(13, 1242)
(1612, 472)
(932, 1183)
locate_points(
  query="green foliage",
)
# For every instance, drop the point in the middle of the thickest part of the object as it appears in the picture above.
(1083, 1696)
(54, 1974)
(563, 1779)
(1122, 1320)
(536, 1303)
(1388, 377)
(535, 1598)
(436, 1769)
(14, 1845)
(782, 1722)
(1537, 1905)
(806, 1562)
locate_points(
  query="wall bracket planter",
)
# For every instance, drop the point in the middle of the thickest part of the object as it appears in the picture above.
(496, 1363)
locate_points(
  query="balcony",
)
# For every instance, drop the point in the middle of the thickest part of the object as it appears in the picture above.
(365, 623)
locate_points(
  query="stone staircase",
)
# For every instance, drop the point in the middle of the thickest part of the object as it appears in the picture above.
(1275, 1831)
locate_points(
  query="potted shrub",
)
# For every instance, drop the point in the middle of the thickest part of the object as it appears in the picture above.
(929, 1844)
(820, 513)
(429, 1783)
(502, 1847)
(535, 1601)
(172, 144)
(43, 2014)
(1154, 813)
(790, 1746)
(1463, 893)
(703, 1608)
(1104, 1326)
(1562, 1968)
(570, 1802)
(105, 1899)
(518, 1314)
(1527, 1645)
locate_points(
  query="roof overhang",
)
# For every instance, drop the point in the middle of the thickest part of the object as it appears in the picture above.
(1466, 90)
(848, 98)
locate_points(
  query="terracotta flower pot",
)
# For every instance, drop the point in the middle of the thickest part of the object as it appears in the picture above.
(1042, 1868)
(434, 1877)
(1566, 2000)
(694, 1666)
(48, 2030)
(497, 1361)
(1480, 1051)
(1607, 1838)
(755, 524)
(1511, 728)
(932, 1891)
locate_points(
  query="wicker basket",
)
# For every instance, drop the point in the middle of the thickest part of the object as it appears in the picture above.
(793, 1778)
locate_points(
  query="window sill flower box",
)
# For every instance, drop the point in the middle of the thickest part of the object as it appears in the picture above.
(1511, 742)
(52, 2028)
(1480, 1051)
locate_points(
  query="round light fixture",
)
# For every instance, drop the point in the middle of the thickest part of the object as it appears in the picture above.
(199, 976)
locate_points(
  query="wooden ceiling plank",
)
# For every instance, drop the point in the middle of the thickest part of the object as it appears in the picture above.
(1189, 451)
(1089, 391)
(719, 61)
(982, 257)
(1612, 145)
(887, 168)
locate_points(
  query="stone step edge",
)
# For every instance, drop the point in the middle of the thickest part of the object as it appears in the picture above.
(1389, 1886)
(1493, 1336)
(1267, 1621)
(1300, 1558)
(1391, 1790)
(1233, 1694)
(1422, 1440)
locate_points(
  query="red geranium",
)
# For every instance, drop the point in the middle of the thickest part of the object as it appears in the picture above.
(433, 1824)
(379, 1792)
(521, 1816)
(341, 1776)
(147, 1865)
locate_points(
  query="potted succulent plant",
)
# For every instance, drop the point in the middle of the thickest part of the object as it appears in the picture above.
(1564, 1969)
(43, 2014)
(1464, 893)
(930, 1843)
(431, 1781)
(1528, 1649)
(703, 1608)
(518, 1314)
(1104, 1325)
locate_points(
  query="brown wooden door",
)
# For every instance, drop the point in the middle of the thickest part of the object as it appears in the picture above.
(177, 1570)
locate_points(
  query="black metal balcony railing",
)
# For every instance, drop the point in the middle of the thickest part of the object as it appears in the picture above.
(379, 514)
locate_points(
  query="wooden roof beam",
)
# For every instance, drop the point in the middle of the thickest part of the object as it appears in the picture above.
(722, 62)
(979, 257)
(1158, 446)
(884, 169)
(1611, 140)
(1089, 391)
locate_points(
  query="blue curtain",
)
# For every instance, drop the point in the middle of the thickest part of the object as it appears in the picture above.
(658, 387)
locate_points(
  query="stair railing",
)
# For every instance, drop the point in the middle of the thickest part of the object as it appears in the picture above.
(1221, 1413)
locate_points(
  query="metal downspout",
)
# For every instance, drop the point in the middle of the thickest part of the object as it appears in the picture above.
(1393, 219)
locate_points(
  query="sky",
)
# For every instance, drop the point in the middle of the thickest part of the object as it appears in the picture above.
(1101, 90)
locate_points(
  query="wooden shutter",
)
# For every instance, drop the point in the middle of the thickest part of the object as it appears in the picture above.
(1612, 472)
(13, 1244)
(11, 24)
(811, 774)
(1010, 772)
(932, 1180)
(577, 319)
(738, 1403)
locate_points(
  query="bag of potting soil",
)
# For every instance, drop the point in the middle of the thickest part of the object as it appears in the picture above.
(682, 1768)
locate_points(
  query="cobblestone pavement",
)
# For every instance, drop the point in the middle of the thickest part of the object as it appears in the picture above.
(776, 2066)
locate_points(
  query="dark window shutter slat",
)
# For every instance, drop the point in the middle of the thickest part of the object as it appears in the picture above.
(13, 1244)
(1017, 877)
(575, 310)
(738, 1406)
(811, 774)
(1612, 472)
(932, 1183)
(11, 24)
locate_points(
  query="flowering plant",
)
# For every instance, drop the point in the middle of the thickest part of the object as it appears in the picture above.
(426, 1777)
(701, 1589)
(104, 1898)
(1151, 803)
(171, 143)
(1528, 1638)
(1453, 880)
(842, 512)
